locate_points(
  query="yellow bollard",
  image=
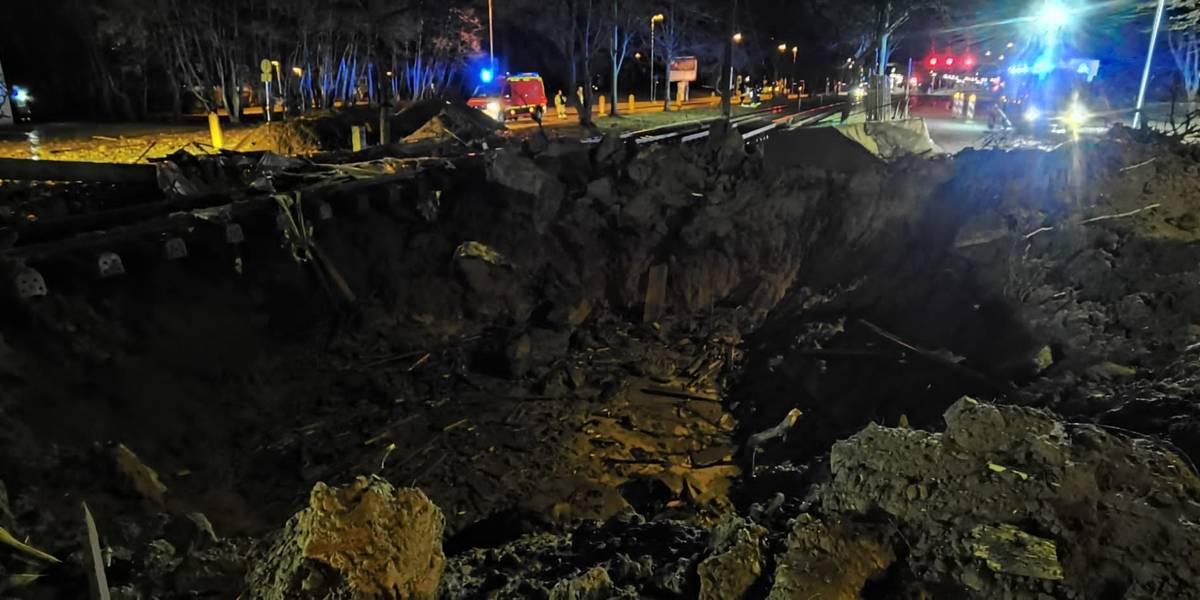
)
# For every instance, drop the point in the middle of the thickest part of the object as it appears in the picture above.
(632, 103)
(358, 138)
(214, 130)
(603, 105)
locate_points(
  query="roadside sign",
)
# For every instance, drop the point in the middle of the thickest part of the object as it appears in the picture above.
(266, 78)
(265, 65)
(684, 68)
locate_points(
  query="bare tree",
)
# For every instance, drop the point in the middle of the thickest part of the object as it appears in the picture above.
(1183, 37)
(623, 21)
(671, 38)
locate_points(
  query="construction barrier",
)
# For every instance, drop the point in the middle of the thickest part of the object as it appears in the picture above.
(971, 107)
(958, 107)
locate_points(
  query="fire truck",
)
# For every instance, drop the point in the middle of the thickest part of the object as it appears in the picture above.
(513, 95)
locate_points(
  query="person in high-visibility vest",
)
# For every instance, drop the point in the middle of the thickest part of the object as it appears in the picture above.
(560, 105)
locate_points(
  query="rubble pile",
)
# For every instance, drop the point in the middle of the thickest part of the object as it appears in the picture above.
(559, 370)
(1013, 502)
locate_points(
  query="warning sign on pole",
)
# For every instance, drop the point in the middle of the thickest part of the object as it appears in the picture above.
(6, 110)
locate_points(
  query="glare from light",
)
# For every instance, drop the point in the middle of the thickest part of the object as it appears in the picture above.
(737, 38)
(783, 47)
(1032, 114)
(486, 75)
(493, 109)
(21, 95)
(1053, 17)
(1075, 116)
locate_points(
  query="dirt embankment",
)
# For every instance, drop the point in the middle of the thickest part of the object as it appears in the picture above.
(498, 357)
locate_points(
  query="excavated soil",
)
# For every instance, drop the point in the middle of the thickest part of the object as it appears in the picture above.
(502, 384)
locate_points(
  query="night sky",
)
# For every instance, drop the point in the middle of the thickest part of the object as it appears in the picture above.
(52, 46)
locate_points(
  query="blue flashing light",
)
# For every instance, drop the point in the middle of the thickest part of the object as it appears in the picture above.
(20, 94)
(486, 75)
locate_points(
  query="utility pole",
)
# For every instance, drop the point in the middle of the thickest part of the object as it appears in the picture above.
(727, 63)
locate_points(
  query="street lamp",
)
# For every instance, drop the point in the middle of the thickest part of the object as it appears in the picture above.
(655, 19)
(737, 38)
(782, 48)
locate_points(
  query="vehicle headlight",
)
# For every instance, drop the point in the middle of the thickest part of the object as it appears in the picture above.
(1075, 116)
(1032, 114)
(493, 108)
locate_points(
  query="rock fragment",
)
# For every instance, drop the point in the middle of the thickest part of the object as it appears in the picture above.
(364, 540)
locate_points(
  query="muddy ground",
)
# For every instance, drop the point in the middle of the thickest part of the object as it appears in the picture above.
(945, 377)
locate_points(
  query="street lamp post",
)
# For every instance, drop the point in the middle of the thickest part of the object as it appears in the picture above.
(795, 52)
(782, 50)
(1141, 100)
(653, 20)
(491, 41)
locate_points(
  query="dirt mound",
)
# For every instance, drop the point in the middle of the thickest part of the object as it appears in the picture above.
(444, 120)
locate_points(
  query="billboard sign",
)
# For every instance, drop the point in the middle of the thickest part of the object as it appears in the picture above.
(684, 68)
(6, 109)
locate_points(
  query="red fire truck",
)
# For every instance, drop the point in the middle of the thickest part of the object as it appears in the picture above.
(514, 95)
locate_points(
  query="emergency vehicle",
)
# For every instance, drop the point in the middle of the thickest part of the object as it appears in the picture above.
(1052, 97)
(514, 95)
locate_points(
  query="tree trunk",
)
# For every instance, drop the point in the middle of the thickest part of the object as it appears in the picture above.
(725, 81)
(616, 66)
(667, 82)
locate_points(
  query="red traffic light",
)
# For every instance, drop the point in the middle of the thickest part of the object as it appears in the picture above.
(969, 61)
(949, 61)
(933, 61)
